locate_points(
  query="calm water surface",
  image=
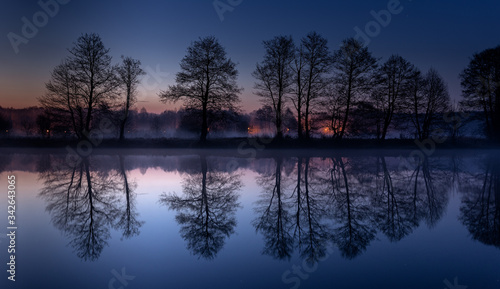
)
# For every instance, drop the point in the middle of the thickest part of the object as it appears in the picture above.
(293, 220)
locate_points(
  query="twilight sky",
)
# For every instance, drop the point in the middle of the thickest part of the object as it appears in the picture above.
(440, 34)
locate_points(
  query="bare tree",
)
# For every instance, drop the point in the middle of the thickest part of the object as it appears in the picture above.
(275, 76)
(353, 77)
(393, 78)
(300, 84)
(481, 88)
(62, 100)
(129, 72)
(94, 76)
(84, 82)
(207, 81)
(318, 65)
(429, 99)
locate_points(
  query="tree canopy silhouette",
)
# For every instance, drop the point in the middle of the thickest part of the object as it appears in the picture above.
(275, 77)
(207, 81)
(129, 73)
(481, 88)
(353, 70)
(83, 83)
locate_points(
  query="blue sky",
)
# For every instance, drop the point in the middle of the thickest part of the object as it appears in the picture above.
(439, 34)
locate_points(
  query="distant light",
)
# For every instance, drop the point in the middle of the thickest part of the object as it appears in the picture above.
(47, 131)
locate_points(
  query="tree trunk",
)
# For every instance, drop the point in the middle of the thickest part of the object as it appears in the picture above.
(125, 115)
(279, 120)
(204, 123)
(308, 132)
(299, 120)
(89, 108)
(346, 116)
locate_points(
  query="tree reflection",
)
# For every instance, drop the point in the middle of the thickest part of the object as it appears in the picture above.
(350, 210)
(345, 201)
(310, 229)
(85, 204)
(206, 210)
(430, 189)
(396, 208)
(480, 209)
(274, 219)
(128, 220)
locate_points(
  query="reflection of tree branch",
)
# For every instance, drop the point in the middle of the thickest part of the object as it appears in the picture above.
(480, 210)
(317, 232)
(433, 187)
(395, 209)
(206, 211)
(128, 221)
(274, 219)
(83, 204)
(353, 233)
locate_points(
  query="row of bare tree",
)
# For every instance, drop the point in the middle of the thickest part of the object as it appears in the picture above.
(332, 85)
(323, 88)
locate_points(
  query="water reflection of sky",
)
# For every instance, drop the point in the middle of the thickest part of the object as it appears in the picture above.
(446, 240)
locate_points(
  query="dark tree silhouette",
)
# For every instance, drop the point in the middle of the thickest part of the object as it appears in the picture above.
(393, 83)
(297, 91)
(318, 65)
(207, 81)
(274, 219)
(81, 84)
(206, 211)
(61, 100)
(429, 100)
(129, 73)
(275, 77)
(481, 88)
(353, 78)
